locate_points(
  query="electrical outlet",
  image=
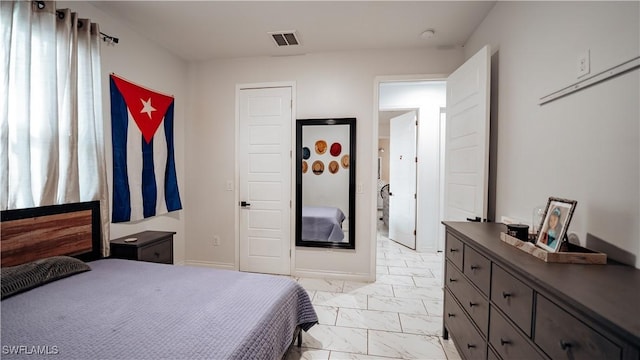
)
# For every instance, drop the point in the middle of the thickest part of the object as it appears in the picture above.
(216, 240)
(584, 66)
(507, 220)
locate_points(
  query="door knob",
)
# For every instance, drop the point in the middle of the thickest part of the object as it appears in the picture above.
(244, 204)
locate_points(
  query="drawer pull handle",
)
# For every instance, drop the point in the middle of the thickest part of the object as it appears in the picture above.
(472, 304)
(504, 342)
(475, 267)
(452, 280)
(453, 250)
(565, 345)
(506, 294)
(470, 346)
(451, 315)
(157, 254)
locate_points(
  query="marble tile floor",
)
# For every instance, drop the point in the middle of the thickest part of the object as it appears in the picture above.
(397, 317)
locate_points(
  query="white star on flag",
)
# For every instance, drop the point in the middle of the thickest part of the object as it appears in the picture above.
(147, 108)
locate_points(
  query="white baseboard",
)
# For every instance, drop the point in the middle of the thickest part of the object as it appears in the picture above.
(211, 264)
(307, 273)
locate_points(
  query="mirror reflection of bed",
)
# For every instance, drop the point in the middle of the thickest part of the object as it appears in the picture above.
(325, 183)
(323, 223)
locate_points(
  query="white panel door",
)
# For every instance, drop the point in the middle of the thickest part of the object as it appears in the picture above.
(402, 179)
(467, 139)
(265, 180)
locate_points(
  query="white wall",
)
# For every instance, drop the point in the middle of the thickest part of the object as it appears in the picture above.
(328, 85)
(141, 61)
(584, 146)
(428, 97)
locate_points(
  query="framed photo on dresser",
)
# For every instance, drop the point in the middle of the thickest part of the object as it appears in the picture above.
(555, 222)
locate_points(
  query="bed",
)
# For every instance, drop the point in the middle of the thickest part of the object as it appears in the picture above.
(322, 223)
(122, 309)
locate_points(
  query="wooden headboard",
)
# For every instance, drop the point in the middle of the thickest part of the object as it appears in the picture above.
(36, 233)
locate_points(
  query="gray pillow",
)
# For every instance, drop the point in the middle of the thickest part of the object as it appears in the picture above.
(16, 279)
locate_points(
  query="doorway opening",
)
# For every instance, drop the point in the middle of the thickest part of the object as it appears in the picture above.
(409, 212)
(464, 146)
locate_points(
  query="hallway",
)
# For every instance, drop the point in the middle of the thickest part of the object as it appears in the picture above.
(397, 317)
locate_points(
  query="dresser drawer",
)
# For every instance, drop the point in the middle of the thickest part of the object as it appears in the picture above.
(455, 250)
(513, 297)
(477, 306)
(507, 341)
(455, 281)
(563, 336)
(467, 339)
(160, 252)
(478, 269)
(474, 303)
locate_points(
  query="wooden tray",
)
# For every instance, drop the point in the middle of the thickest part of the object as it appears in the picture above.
(575, 255)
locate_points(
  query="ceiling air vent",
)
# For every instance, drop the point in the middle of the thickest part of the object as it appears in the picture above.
(285, 38)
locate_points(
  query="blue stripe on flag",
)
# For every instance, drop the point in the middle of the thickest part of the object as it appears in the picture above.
(119, 124)
(171, 194)
(149, 186)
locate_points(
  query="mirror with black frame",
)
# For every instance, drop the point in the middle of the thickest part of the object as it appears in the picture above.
(325, 182)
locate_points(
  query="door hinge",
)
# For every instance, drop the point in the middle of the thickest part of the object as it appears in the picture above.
(414, 233)
(416, 122)
(415, 196)
(289, 252)
(290, 154)
(416, 159)
(290, 204)
(291, 104)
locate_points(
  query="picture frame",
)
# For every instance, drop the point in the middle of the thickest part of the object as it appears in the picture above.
(555, 222)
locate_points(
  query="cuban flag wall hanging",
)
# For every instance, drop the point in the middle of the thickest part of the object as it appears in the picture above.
(144, 169)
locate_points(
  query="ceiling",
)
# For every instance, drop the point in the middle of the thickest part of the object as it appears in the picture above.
(203, 30)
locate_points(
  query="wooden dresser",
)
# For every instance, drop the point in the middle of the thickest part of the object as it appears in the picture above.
(501, 303)
(151, 246)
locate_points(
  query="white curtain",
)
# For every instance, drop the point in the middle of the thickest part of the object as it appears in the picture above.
(51, 130)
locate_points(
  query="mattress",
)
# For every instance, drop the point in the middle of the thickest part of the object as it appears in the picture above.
(125, 309)
(322, 223)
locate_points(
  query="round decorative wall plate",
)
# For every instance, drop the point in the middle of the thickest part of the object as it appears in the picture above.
(317, 167)
(305, 167)
(345, 161)
(306, 154)
(334, 167)
(335, 149)
(321, 147)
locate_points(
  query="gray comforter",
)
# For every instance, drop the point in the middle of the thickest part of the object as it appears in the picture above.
(133, 310)
(322, 223)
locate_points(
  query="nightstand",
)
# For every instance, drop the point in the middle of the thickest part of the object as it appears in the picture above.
(151, 246)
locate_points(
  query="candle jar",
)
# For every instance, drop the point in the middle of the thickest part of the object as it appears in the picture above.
(536, 219)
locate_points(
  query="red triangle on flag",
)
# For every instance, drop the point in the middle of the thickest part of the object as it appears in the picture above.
(145, 106)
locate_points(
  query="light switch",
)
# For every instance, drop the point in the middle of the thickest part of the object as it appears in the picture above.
(229, 185)
(359, 188)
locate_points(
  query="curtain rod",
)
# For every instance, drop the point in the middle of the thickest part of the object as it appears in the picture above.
(106, 38)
